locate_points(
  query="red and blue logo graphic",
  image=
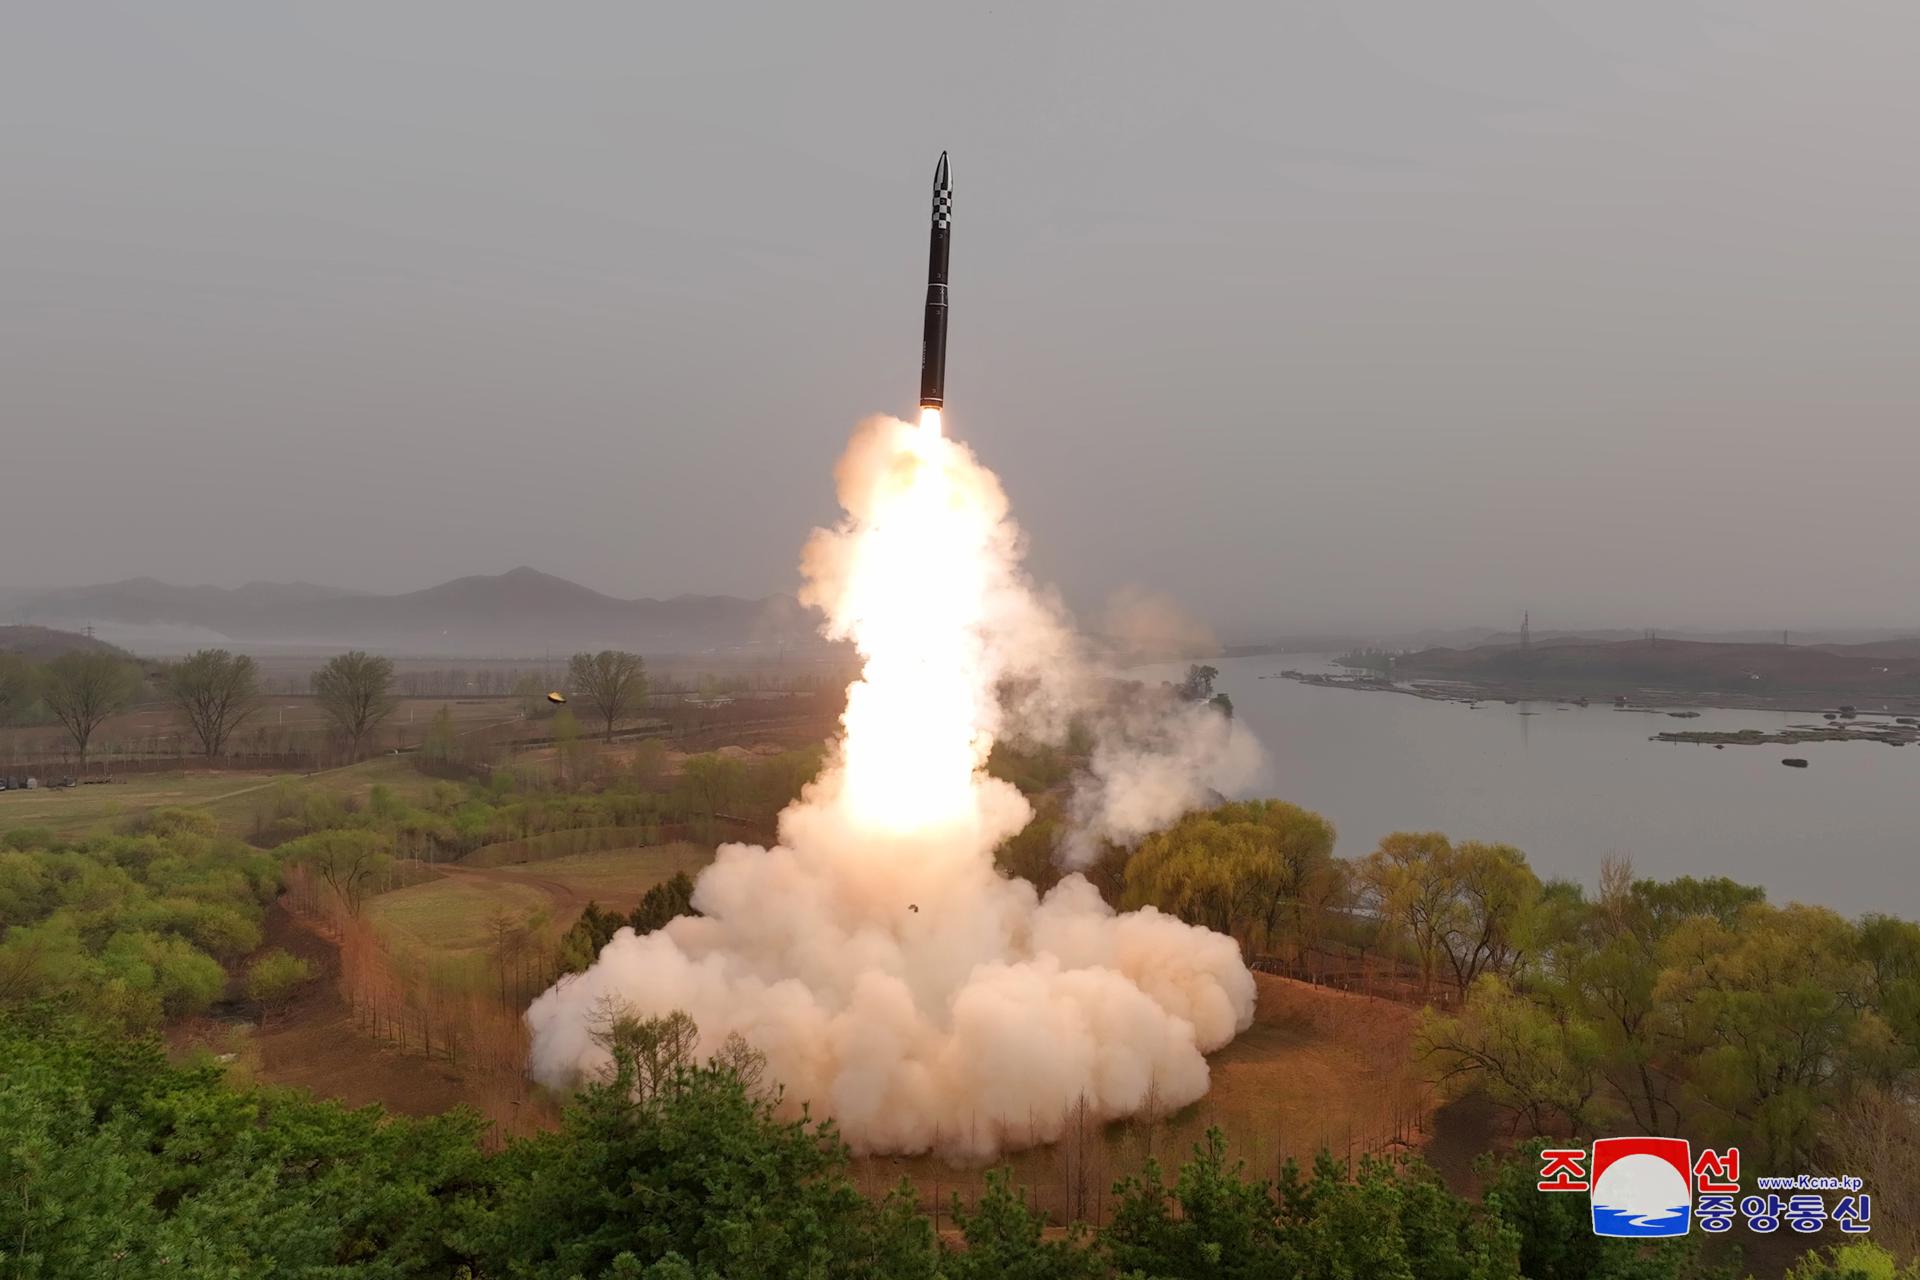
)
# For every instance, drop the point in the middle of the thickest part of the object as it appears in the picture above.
(1642, 1187)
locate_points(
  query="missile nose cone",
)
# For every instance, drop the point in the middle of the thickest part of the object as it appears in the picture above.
(942, 194)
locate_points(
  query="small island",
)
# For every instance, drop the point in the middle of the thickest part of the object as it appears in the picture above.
(1867, 692)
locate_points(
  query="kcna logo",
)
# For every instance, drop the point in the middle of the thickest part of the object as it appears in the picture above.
(1640, 1187)
(1643, 1188)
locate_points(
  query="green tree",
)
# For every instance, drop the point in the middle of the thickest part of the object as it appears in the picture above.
(1464, 910)
(1006, 1238)
(276, 977)
(184, 979)
(664, 901)
(696, 1179)
(354, 692)
(1406, 883)
(1261, 870)
(613, 681)
(348, 862)
(1211, 1222)
(83, 688)
(120, 1163)
(215, 692)
(712, 784)
(1496, 897)
(1856, 1260)
(1542, 1068)
(1768, 1024)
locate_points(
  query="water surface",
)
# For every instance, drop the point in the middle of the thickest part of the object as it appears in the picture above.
(1573, 786)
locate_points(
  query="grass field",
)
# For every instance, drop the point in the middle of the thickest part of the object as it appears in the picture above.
(453, 915)
(235, 812)
(80, 810)
(619, 876)
(229, 795)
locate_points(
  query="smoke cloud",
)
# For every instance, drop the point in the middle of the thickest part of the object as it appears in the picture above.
(895, 981)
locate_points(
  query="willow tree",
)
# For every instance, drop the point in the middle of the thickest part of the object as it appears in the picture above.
(1262, 871)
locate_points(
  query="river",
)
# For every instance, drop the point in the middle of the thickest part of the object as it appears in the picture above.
(1571, 786)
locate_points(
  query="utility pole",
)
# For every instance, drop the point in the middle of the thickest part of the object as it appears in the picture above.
(1526, 630)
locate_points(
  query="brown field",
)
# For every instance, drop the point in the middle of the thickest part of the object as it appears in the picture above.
(1319, 1069)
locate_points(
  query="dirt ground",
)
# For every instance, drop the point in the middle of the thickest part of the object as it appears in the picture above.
(316, 1044)
(1319, 1068)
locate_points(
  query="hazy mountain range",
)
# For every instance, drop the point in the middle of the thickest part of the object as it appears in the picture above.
(522, 612)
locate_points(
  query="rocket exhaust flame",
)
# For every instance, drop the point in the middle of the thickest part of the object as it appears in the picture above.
(895, 981)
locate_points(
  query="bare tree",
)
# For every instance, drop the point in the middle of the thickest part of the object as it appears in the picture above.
(613, 681)
(84, 688)
(652, 1051)
(1875, 1136)
(216, 692)
(354, 690)
(349, 861)
(748, 1065)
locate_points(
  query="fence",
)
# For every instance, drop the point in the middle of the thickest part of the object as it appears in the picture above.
(103, 768)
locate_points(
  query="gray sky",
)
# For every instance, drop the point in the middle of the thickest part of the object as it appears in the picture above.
(1307, 314)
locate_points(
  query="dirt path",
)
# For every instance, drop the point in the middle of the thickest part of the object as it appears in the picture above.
(262, 786)
(316, 1043)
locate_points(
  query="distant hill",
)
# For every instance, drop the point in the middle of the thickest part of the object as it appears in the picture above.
(1899, 649)
(42, 644)
(1681, 665)
(521, 612)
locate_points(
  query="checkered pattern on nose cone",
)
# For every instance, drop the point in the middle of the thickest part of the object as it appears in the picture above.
(942, 206)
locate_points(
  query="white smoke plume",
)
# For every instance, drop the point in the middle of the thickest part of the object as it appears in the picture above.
(895, 981)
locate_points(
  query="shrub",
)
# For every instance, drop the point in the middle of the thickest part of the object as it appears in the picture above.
(273, 979)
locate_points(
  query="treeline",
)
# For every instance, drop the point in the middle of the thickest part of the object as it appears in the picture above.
(216, 695)
(580, 946)
(517, 816)
(1378, 661)
(1686, 1007)
(135, 930)
(1695, 1007)
(121, 1163)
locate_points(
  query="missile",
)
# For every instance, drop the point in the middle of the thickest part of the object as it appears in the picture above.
(933, 336)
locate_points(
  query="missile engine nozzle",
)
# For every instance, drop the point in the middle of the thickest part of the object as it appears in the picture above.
(933, 334)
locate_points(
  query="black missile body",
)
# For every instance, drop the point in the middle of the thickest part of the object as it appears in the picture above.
(933, 336)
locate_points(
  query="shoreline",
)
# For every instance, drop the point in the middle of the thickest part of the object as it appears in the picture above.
(1843, 723)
